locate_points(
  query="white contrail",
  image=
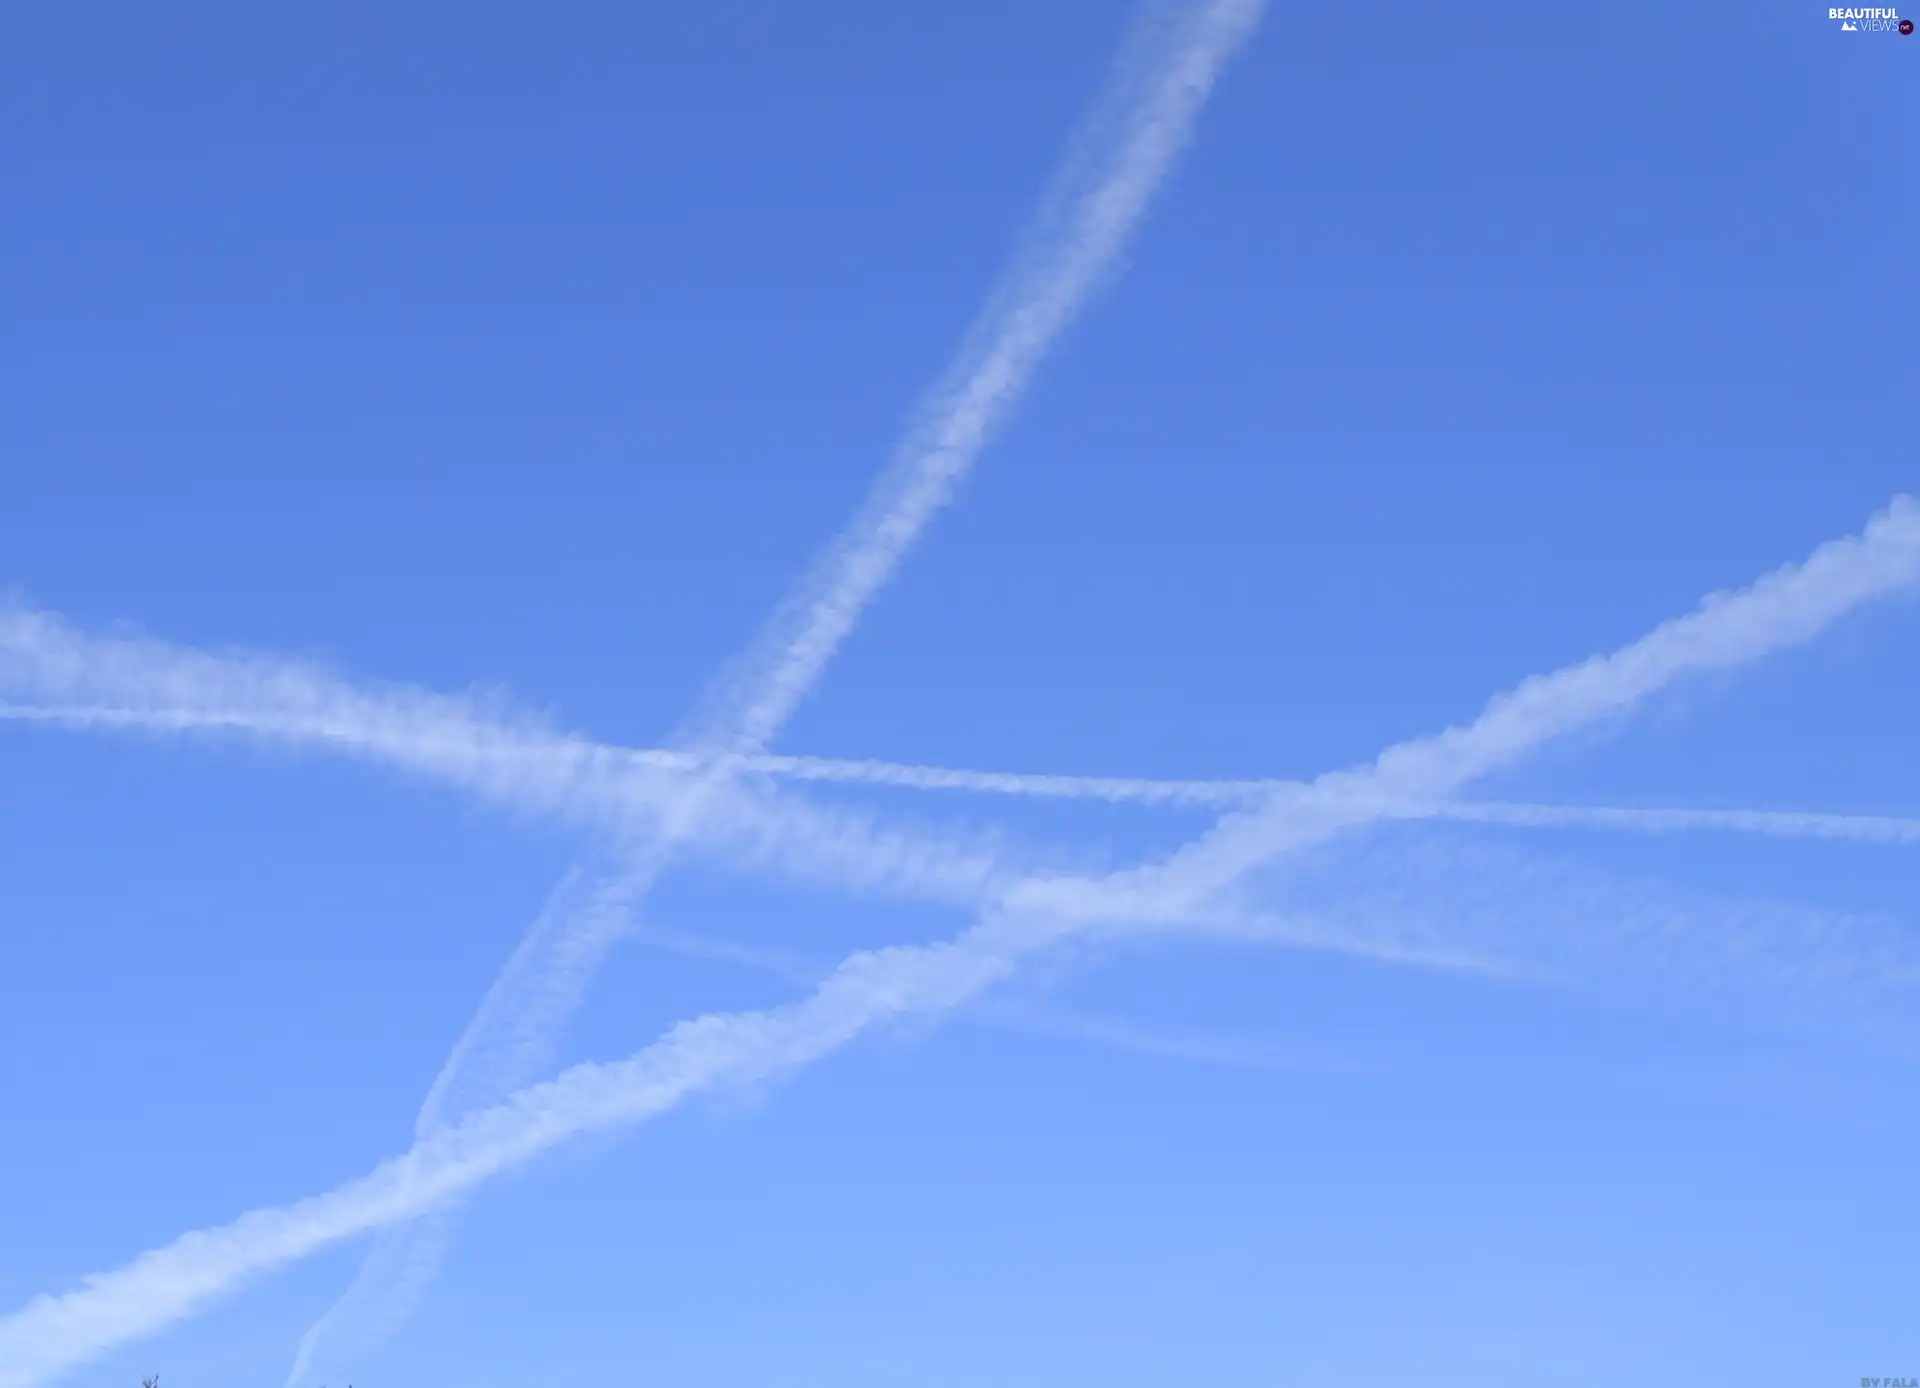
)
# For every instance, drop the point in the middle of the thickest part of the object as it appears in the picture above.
(1122, 156)
(515, 759)
(1783, 608)
(1868, 828)
(616, 800)
(502, 755)
(1117, 163)
(1119, 789)
(53, 1333)
(505, 758)
(53, 673)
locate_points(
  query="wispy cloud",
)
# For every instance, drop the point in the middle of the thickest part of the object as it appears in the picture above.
(1116, 1034)
(873, 986)
(1630, 939)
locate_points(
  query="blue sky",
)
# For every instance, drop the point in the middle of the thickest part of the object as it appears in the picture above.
(478, 350)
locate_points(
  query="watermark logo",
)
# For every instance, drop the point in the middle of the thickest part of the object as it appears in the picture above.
(1895, 1382)
(1870, 20)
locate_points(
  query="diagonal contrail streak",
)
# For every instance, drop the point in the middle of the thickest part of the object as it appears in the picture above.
(1784, 608)
(1143, 120)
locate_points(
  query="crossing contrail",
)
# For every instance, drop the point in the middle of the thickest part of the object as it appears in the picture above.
(620, 797)
(1783, 608)
(1789, 606)
(507, 759)
(1121, 157)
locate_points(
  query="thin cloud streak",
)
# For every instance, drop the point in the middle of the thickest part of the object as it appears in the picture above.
(871, 987)
(1114, 1034)
(1863, 828)
(1118, 789)
(1566, 925)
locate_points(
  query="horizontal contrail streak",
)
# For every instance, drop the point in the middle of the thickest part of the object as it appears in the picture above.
(1781, 823)
(1789, 606)
(1244, 793)
(517, 764)
(470, 734)
(1121, 789)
